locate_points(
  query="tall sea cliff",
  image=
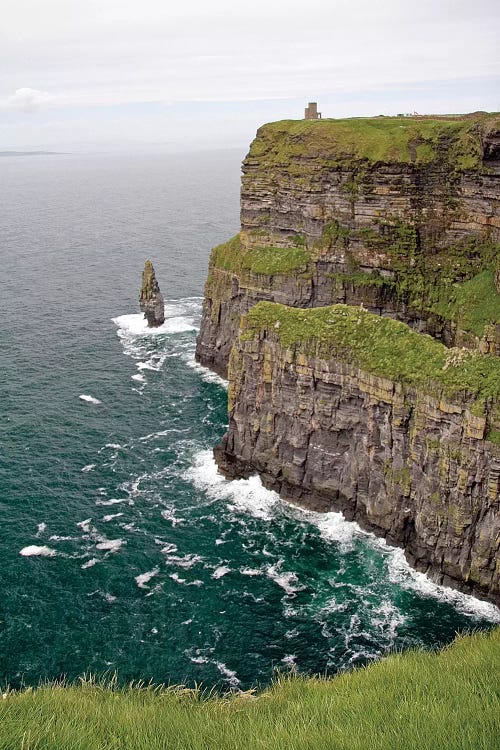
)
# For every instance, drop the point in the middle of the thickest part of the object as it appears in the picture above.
(384, 401)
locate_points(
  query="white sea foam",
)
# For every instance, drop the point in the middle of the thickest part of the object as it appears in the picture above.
(169, 515)
(244, 494)
(207, 375)
(186, 562)
(111, 516)
(221, 571)
(290, 661)
(387, 618)
(250, 571)
(34, 550)
(40, 528)
(139, 377)
(88, 467)
(286, 579)
(334, 528)
(89, 399)
(104, 595)
(229, 674)
(115, 501)
(176, 577)
(136, 324)
(144, 578)
(168, 547)
(401, 573)
(111, 545)
(90, 563)
(84, 525)
(199, 659)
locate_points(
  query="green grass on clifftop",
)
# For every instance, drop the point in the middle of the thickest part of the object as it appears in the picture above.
(417, 140)
(233, 256)
(382, 346)
(414, 701)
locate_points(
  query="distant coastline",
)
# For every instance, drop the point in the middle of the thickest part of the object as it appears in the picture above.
(31, 153)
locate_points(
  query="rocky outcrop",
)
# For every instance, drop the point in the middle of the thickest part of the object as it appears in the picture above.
(151, 299)
(401, 215)
(340, 409)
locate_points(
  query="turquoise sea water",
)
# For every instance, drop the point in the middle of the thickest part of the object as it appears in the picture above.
(122, 549)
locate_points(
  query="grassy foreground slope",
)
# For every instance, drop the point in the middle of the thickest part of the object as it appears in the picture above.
(417, 700)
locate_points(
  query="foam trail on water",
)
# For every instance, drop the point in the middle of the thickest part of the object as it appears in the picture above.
(34, 550)
(89, 399)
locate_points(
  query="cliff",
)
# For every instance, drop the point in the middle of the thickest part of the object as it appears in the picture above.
(340, 409)
(398, 214)
(359, 311)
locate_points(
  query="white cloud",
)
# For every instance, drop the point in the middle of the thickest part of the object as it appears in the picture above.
(26, 100)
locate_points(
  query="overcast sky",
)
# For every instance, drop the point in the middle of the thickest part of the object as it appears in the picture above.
(136, 74)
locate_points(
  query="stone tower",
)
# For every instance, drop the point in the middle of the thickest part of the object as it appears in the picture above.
(311, 111)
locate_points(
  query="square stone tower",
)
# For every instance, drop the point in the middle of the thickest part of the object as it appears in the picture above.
(311, 111)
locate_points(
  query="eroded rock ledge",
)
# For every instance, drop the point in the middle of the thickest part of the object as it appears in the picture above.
(340, 409)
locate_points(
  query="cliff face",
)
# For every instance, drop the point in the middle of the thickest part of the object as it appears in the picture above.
(412, 454)
(398, 214)
(339, 408)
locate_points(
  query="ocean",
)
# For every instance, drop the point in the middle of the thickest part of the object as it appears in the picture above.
(123, 550)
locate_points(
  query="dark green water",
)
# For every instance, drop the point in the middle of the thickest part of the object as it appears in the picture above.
(122, 549)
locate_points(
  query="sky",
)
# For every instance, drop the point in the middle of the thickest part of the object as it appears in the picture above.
(134, 75)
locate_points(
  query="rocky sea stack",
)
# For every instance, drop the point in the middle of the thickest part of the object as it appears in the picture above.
(151, 299)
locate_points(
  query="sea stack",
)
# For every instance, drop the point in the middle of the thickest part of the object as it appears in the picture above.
(151, 299)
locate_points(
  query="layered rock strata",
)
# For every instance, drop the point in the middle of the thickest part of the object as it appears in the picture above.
(338, 409)
(150, 298)
(401, 215)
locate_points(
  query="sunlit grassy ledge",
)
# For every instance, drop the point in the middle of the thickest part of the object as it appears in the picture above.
(382, 346)
(411, 701)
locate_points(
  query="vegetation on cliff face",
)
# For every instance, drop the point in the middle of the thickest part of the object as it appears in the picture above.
(474, 304)
(411, 701)
(234, 256)
(382, 346)
(402, 140)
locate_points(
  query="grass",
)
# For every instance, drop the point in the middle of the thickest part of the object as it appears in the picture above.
(414, 701)
(493, 436)
(268, 261)
(455, 140)
(381, 346)
(474, 304)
